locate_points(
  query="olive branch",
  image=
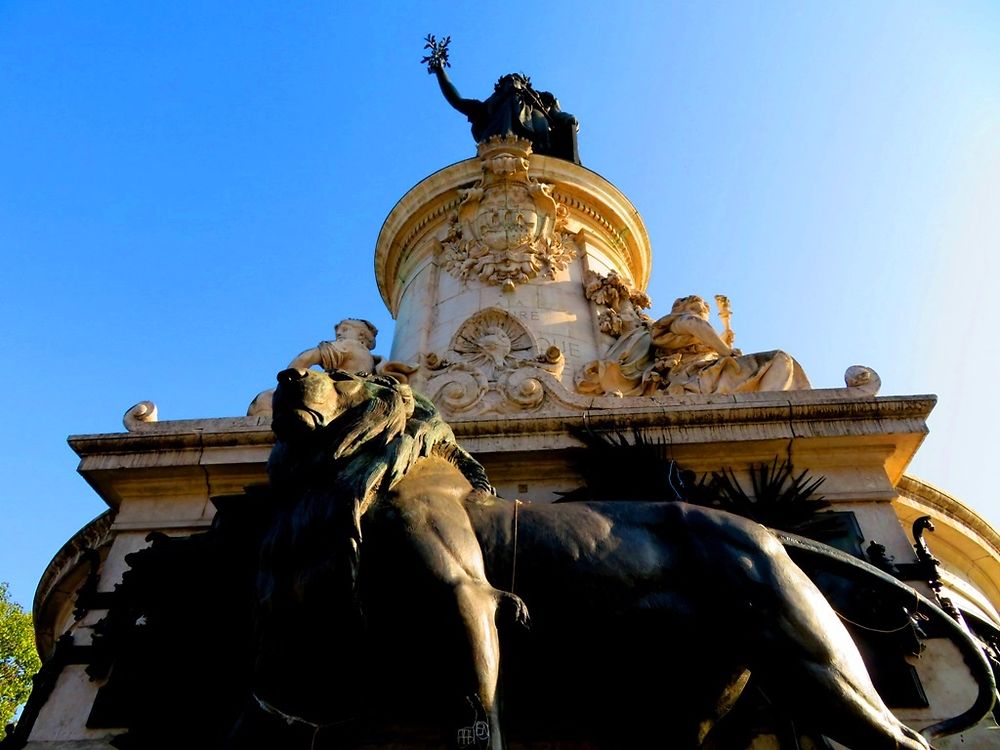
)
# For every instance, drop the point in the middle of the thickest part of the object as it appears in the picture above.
(438, 57)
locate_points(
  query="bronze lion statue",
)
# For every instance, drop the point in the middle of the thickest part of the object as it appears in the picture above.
(390, 571)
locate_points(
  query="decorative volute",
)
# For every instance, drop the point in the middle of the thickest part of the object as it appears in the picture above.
(483, 266)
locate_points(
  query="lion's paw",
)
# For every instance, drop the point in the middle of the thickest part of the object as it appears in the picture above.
(514, 607)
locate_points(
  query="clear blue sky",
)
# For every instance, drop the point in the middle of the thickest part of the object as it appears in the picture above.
(190, 194)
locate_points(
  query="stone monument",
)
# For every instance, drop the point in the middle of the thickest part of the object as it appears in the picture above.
(533, 448)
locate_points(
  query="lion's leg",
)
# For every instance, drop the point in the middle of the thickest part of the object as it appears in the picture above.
(470, 605)
(797, 645)
(430, 511)
(823, 670)
(811, 659)
(477, 606)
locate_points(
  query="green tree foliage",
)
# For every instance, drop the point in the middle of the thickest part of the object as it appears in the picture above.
(18, 658)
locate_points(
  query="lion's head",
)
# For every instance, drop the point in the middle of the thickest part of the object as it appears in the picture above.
(308, 402)
(343, 441)
(364, 432)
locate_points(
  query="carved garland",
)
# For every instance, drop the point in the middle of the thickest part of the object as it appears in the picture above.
(508, 229)
(620, 299)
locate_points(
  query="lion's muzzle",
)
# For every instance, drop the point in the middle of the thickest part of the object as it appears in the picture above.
(303, 401)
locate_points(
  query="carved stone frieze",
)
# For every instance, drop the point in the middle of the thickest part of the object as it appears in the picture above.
(508, 228)
(492, 365)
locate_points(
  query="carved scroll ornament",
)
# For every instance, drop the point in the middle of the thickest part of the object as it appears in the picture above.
(492, 365)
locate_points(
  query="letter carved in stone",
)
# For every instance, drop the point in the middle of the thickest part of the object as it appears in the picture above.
(508, 229)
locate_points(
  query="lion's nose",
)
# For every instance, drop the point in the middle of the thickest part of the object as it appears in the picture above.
(291, 375)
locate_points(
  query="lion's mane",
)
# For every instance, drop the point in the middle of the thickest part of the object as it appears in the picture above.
(324, 485)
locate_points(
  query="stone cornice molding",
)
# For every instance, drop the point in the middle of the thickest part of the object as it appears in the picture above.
(943, 504)
(223, 455)
(967, 545)
(52, 590)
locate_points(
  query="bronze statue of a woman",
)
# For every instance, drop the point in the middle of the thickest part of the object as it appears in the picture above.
(514, 107)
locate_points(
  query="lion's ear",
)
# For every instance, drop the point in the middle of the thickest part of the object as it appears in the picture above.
(348, 388)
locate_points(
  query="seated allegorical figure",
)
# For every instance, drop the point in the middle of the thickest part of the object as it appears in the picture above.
(681, 353)
(693, 358)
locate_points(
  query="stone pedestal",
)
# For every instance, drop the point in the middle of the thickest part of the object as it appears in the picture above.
(163, 475)
(508, 274)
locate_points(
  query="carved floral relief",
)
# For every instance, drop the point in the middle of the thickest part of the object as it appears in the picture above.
(508, 229)
(622, 304)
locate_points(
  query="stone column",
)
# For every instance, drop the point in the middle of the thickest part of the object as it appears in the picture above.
(483, 266)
